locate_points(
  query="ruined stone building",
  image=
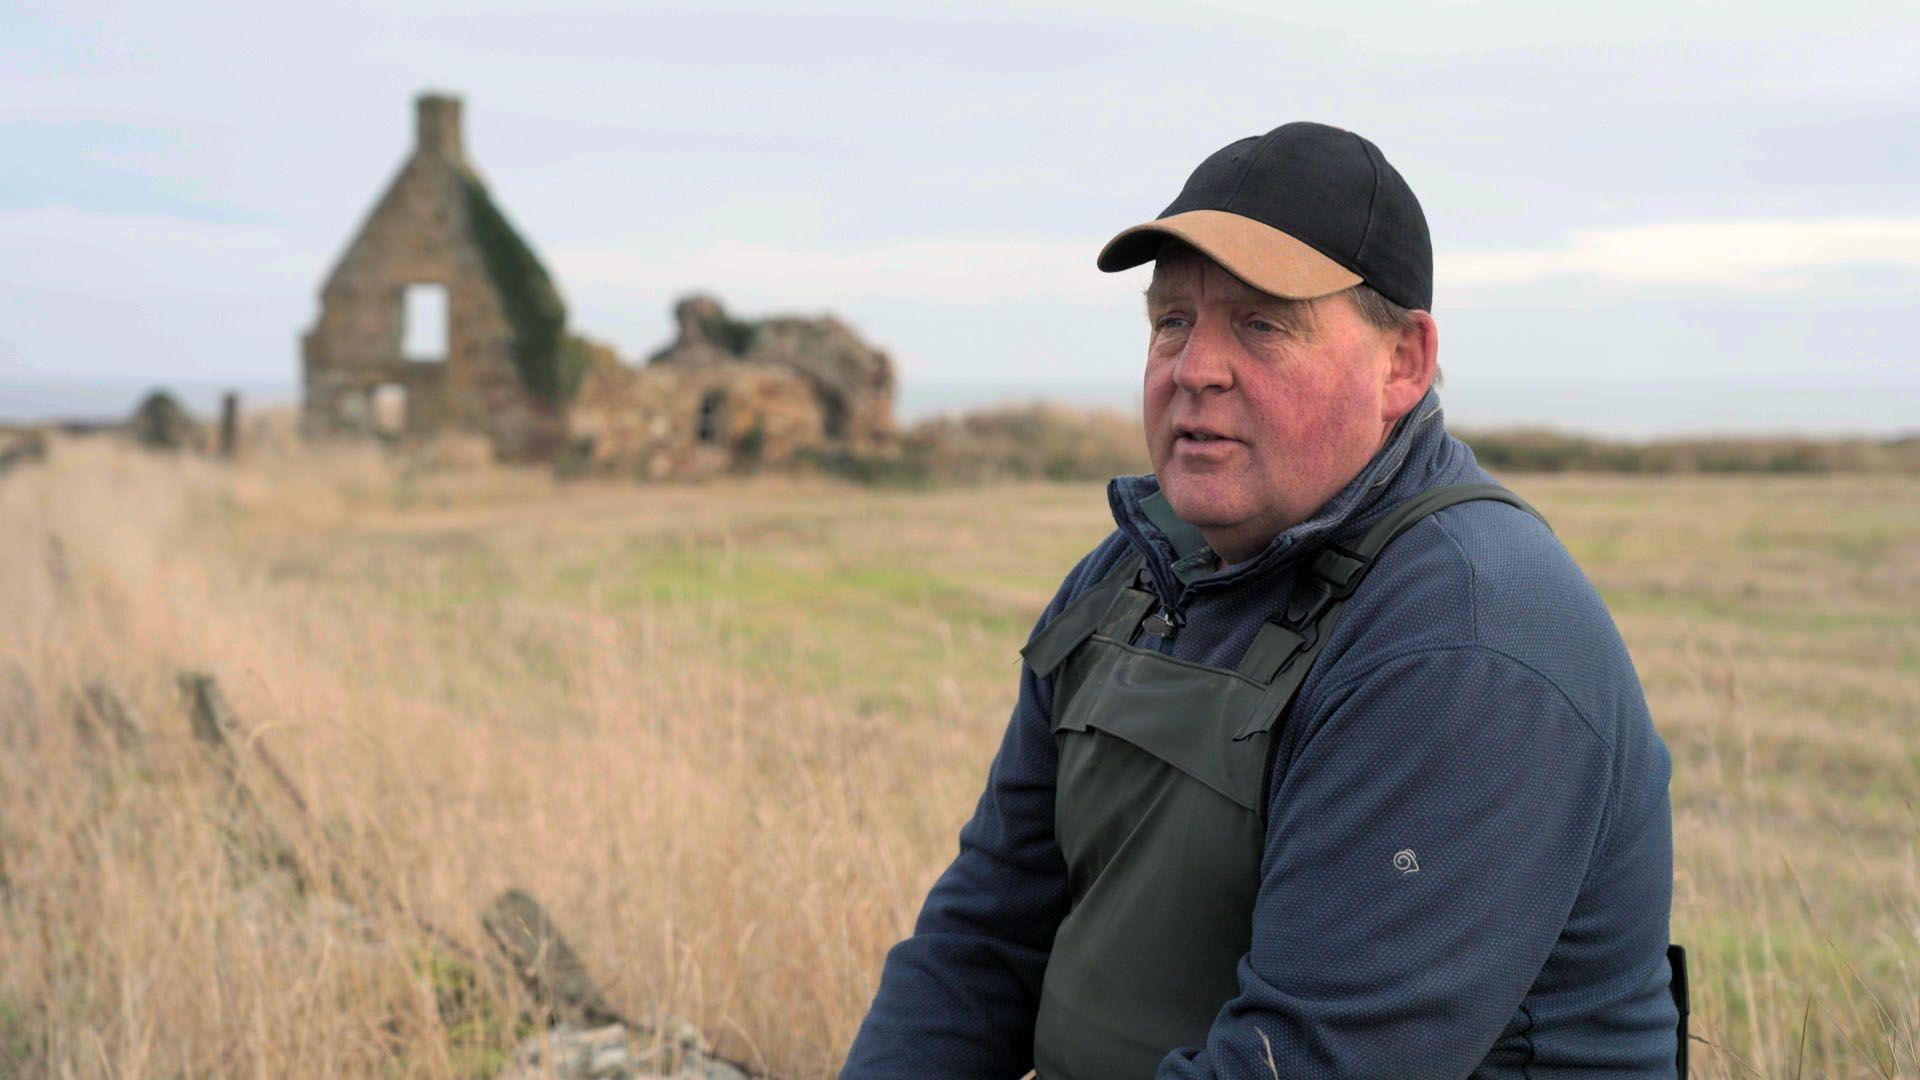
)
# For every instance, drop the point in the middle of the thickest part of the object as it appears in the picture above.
(440, 317)
(728, 392)
(484, 351)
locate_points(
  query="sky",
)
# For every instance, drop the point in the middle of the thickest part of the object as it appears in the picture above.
(1704, 214)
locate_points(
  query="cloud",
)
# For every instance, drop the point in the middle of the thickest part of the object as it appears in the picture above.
(109, 253)
(970, 271)
(121, 254)
(100, 291)
(1744, 256)
(1752, 256)
(89, 294)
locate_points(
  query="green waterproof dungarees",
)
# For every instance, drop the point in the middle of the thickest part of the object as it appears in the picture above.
(1160, 805)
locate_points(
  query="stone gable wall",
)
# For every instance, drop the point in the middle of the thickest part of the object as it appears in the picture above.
(420, 233)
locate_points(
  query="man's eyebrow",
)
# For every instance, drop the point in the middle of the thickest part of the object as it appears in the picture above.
(1295, 314)
(1151, 296)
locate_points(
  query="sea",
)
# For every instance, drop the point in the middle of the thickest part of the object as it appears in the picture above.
(1634, 410)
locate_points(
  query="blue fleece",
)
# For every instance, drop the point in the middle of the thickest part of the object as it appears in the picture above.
(1475, 707)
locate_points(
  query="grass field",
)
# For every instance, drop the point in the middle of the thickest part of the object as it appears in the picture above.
(727, 734)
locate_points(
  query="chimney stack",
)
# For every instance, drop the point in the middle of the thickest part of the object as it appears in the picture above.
(438, 124)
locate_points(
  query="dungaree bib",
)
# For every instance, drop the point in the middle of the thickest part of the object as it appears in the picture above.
(1160, 805)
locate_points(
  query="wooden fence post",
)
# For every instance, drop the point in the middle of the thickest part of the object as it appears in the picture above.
(229, 424)
(99, 708)
(545, 962)
(217, 726)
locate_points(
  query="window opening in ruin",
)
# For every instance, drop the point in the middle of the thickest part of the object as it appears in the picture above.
(712, 425)
(424, 325)
(388, 406)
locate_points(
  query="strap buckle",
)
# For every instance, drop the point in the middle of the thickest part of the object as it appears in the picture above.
(1164, 622)
(1332, 576)
(1340, 567)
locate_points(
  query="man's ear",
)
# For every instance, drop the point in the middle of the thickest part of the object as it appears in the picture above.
(1410, 367)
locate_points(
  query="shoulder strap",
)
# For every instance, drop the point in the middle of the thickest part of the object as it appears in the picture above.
(1285, 648)
(1083, 615)
(1403, 516)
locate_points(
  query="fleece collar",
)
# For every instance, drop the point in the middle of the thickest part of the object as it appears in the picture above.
(1178, 558)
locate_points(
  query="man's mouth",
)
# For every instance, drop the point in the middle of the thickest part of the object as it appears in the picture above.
(1201, 435)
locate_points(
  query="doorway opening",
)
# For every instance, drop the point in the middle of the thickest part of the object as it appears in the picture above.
(387, 408)
(711, 427)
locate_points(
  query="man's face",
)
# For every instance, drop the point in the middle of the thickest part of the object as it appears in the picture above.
(1259, 409)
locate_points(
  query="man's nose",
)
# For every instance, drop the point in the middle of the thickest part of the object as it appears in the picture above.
(1207, 360)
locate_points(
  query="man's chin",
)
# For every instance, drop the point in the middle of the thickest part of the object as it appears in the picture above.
(1199, 504)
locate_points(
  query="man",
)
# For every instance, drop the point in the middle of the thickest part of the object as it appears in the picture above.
(1316, 770)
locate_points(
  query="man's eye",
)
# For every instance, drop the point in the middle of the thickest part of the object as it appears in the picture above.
(1265, 327)
(1170, 322)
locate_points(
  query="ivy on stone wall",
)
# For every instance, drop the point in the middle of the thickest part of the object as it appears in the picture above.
(734, 335)
(549, 365)
(576, 356)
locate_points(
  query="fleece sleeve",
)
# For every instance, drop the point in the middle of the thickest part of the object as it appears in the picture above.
(1425, 845)
(959, 997)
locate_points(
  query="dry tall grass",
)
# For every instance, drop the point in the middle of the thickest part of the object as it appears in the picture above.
(727, 734)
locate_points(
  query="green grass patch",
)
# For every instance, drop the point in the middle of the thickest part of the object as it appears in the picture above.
(17, 1039)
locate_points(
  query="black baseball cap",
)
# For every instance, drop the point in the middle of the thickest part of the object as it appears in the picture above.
(1305, 210)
